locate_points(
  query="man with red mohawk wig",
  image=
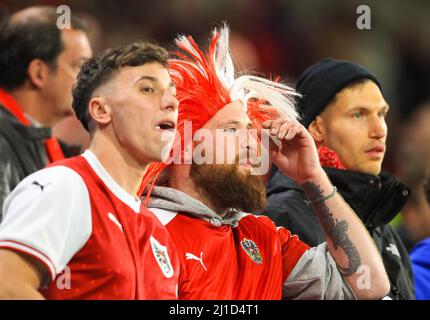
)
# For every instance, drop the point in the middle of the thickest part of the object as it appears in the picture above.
(226, 252)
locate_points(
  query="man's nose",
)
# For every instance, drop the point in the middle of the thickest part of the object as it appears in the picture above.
(378, 128)
(169, 101)
(250, 143)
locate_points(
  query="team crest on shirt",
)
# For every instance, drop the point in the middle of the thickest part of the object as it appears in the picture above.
(252, 250)
(162, 257)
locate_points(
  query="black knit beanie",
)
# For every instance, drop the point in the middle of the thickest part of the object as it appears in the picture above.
(319, 84)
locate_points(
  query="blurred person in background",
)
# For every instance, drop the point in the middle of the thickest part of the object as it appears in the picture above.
(413, 158)
(70, 130)
(344, 111)
(38, 66)
(420, 257)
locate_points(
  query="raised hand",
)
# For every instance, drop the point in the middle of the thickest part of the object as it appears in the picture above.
(293, 150)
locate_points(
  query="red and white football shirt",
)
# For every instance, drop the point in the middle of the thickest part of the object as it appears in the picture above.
(75, 219)
(250, 261)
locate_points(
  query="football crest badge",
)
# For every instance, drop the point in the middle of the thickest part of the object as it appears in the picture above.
(252, 250)
(162, 257)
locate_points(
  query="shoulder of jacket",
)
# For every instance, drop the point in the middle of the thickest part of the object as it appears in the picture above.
(4, 142)
(8, 153)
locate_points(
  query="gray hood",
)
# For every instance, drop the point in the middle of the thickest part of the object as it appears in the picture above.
(175, 200)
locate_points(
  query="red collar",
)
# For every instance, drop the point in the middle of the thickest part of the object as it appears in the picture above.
(10, 104)
(329, 158)
(52, 146)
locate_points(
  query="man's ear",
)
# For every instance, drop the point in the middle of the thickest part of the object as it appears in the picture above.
(38, 72)
(100, 111)
(316, 129)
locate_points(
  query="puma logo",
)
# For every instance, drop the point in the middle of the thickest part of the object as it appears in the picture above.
(40, 185)
(190, 256)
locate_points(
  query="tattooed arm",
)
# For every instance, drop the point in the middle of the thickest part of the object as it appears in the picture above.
(336, 231)
(348, 241)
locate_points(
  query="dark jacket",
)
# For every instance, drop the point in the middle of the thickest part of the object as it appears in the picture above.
(375, 199)
(22, 152)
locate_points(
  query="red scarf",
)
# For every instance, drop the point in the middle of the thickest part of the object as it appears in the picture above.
(52, 146)
(329, 158)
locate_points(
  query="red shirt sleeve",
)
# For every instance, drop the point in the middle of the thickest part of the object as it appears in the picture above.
(292, 250)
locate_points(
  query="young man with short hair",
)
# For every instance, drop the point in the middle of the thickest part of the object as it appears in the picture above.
(77, 229)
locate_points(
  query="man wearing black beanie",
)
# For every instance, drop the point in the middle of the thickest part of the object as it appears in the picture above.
(343, 108)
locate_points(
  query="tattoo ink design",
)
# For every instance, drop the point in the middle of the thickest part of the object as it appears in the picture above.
(336, 230)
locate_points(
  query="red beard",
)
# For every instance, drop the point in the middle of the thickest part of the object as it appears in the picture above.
(226, 187)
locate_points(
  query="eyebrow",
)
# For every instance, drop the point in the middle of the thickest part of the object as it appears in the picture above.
(153, 79)
(385, 106)
(249, 125)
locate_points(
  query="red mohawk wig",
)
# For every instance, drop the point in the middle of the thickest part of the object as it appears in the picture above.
(205, 83)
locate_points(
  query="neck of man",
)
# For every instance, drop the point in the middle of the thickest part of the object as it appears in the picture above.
(119, 164)
(33, 105)
(181, 180)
